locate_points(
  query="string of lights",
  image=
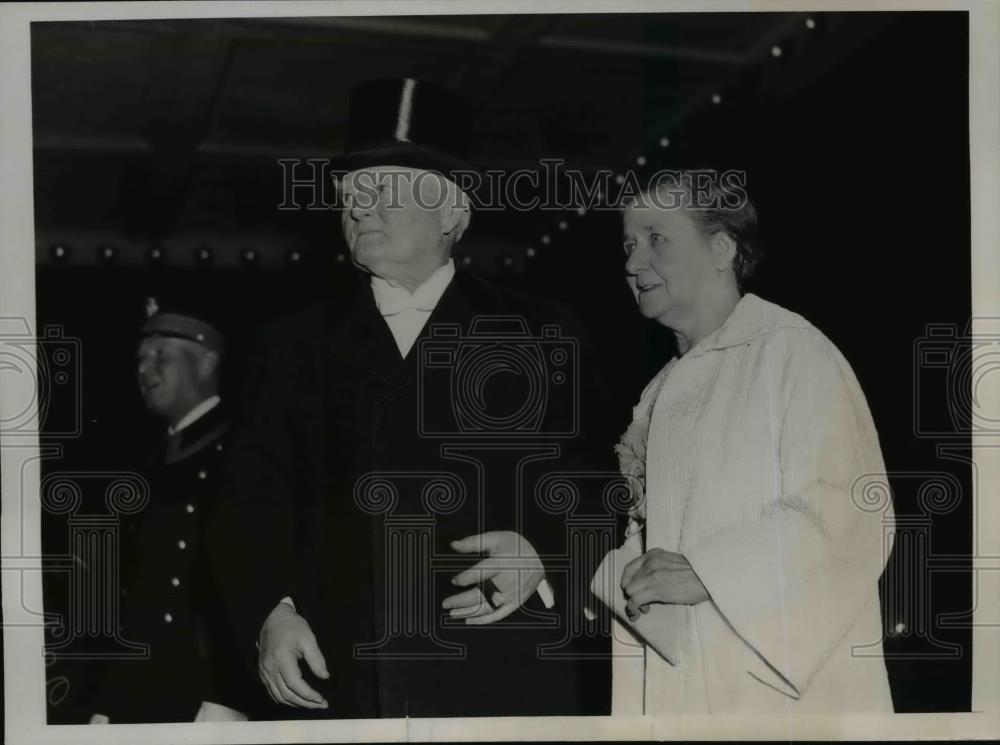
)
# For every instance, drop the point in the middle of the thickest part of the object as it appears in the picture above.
(107, 254)
(776, 52)
(205, 256)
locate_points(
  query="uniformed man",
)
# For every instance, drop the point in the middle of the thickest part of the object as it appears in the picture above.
(390, 554)
(170, 599)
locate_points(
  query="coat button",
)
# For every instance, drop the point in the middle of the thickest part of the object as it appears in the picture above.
(219, 447)
(175, 581)
(189, 508)
(182, 544)
(168, 618)
(202, 474)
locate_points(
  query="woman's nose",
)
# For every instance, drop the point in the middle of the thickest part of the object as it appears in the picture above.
(634, 262)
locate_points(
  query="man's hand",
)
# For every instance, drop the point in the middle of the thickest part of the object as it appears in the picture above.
(660, 576)
(513, 565)
(285, 638)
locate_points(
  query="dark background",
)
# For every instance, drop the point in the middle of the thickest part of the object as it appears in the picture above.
(166, 134)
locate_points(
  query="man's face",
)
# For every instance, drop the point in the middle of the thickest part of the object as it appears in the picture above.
(668, 262)
(170, 381)
(392, 221)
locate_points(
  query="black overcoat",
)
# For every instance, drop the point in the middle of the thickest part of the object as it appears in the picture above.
(353, 469)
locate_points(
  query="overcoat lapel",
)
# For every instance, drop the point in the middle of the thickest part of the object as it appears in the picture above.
(364, 339)
(194, 438)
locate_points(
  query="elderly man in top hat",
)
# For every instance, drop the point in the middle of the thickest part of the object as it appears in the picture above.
(170, 599)
(391, 545)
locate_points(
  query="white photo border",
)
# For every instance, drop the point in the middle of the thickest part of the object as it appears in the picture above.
(24, 678)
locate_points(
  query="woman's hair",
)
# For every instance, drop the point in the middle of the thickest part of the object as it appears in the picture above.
(716, 201)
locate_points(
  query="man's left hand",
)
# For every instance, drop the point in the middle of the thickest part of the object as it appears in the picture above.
(660, 576)
(513, 565)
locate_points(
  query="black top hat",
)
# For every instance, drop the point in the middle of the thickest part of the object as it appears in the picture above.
(407, 122)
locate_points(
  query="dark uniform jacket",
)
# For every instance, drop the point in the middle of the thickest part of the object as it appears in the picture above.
(353, 471)
(169, 598)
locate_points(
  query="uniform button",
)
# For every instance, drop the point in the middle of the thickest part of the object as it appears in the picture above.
(175, 582)
(219, 447)
(182, 544)
(168, 618)
(202, 474)
(124, 592)
(189, 508)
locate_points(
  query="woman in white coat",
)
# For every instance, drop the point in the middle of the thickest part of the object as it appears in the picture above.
(761, 517)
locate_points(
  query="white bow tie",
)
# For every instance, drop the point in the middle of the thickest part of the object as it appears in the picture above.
(395, 300)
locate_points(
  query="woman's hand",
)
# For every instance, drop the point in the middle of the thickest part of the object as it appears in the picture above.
(660, 576)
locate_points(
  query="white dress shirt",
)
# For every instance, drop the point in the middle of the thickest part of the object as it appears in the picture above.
(406, 312)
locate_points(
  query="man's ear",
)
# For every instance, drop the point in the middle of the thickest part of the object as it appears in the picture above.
(454, 220)
(723, 248)
(455, 213)
(208, 364)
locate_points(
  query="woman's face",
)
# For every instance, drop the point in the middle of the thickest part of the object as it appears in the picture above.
(668, 262)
